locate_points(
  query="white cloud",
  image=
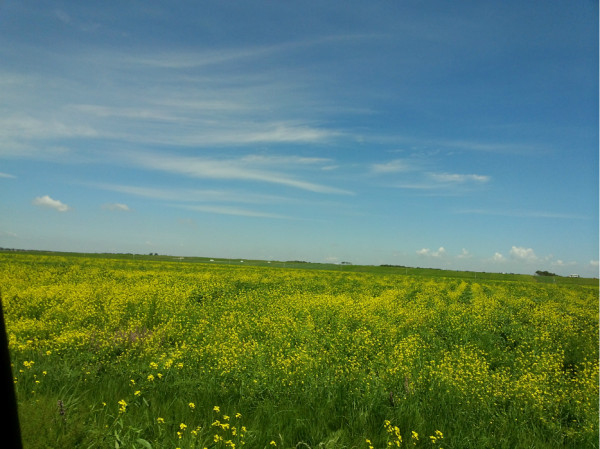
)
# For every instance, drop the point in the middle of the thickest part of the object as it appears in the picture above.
(521, 253)
(594, 263)
(7, 175)
(440, 252)
(498, 257)
(116, 207)
(47, 201)
(429, 253)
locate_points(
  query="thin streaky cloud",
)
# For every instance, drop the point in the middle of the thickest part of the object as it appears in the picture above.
(7, 175)
(523, 214)
(198, 133)
(202, 58)
(116, 207)
(225, 169)
(416, 186)
(226, 210)
(124, 112)
(487, 147)
(458, 178)
(191, 195)
(260, 159)
(393, 166)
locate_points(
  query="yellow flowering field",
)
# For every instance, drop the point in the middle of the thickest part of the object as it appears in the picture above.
(156, 354)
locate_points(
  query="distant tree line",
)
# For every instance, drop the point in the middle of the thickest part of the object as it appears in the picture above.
(544, 273)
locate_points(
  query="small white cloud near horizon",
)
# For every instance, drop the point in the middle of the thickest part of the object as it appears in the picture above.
(498, 257)
(47, 201)
(428, 253)
(562, 263)
(464, 254)
(116, 206)
(594, 263)
(522, 253)
(7, 175)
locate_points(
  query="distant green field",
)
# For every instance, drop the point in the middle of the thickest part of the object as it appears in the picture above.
(375, 269)
(156, 352)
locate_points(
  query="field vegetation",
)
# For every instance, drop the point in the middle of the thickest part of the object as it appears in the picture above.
(169, 354)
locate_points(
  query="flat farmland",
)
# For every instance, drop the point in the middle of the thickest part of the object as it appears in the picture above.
(149, 353)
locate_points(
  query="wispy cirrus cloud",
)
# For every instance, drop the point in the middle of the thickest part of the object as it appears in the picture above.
(215, 106)
(487, 146)
(241, 169)
(417, 174)
(519, 213)
(242, 212)
(450, 178)
(393, 166)
(442, 183)
(192, 195)
(240, 54)
(116, 207)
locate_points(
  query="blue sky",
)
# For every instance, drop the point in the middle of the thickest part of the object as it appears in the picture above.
(442, 134)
